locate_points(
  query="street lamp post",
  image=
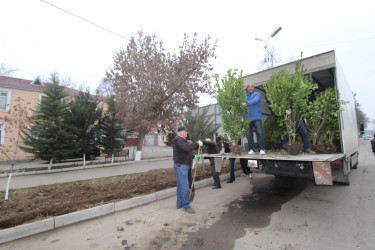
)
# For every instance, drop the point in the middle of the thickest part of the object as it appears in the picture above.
(266, 43)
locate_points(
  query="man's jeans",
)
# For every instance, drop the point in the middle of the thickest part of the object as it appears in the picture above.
(257, 125)
(231, 169)
(182, 172)
(305, 136)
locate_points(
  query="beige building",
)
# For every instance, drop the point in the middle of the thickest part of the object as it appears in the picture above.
(17, 92)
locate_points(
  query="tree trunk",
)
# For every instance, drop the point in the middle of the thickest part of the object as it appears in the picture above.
(140, 140)
(138, 154)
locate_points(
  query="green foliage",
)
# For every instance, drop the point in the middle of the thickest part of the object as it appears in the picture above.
(49, 136)
(111, 129)
(200, 126)
(170, 138)
(273, 131)
(289, 97)
(84, 113)
(230, 95)
(323, 117)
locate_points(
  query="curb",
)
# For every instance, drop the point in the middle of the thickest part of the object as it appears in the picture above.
(33, 228)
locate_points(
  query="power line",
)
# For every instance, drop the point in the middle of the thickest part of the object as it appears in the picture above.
(85, 20)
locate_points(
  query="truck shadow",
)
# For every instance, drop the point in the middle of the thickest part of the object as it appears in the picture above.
(253, 211)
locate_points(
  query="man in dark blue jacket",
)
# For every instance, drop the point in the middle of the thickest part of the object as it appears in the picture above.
(254, 115)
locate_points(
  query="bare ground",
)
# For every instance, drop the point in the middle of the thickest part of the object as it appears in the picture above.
(32, 204)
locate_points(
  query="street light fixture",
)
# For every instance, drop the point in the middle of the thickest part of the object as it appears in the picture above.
(266, 42)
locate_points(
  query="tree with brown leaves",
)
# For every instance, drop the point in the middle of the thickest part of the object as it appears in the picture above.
(153, 86)
(16, 120)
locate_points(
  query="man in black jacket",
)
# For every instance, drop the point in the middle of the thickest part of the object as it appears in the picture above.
(212, 148)
(182, 152)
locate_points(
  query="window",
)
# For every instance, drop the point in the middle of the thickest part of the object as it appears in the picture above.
(162, 137)
(2, 133)
(42, 97)
(4, 100)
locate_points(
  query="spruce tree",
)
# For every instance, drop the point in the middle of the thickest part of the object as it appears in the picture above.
(83, 118)
(112, 130)
(48, 136)
(200, 126)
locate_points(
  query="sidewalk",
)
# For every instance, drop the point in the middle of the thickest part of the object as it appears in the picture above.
(45, 177)
(148, 152)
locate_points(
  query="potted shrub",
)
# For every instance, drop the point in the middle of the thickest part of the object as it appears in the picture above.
(288, 96)
(230, 95)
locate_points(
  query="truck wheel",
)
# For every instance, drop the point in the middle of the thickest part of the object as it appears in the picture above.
(56, 161)
(355, 166)
(345, 181)
(92, 157)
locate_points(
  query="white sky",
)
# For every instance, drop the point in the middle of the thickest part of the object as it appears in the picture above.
(37, 39)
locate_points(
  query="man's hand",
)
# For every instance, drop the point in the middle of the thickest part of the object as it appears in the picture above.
(200, 143)
(244, 104)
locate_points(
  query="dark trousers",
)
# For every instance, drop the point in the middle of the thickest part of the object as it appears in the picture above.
(244, 166)
(215, 175)
(305, 136)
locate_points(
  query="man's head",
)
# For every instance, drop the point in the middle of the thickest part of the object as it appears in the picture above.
(182, 131)
(250, 88)
(208, 139)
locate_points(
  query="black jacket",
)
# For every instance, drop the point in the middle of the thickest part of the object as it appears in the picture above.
(182, 150)
(212, 148)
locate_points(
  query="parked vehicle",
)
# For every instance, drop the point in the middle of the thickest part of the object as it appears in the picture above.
(323, 168)
(94, 152)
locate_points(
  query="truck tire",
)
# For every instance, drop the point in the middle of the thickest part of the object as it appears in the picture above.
(355, 166)
(345, 181)
(91, 157)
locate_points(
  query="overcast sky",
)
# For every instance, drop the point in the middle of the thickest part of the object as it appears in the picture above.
(37, 39)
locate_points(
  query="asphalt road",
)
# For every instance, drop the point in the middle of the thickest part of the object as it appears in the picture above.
(259, 213)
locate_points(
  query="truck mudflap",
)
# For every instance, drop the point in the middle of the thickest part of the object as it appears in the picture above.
(322, 173)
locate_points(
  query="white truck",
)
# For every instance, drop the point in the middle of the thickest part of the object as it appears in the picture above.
(323, 168)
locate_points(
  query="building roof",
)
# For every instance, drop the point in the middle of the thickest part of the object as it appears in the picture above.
(22, 84)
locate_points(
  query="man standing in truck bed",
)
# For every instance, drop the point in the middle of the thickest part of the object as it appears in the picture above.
(254, 115)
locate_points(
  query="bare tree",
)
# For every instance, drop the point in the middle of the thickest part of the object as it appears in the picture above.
(16, 121)
(361, 116)
(6, 70)
(105, 88)
(153, 86)
(271, 59)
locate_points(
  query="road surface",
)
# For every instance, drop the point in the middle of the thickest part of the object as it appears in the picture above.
(259, 213)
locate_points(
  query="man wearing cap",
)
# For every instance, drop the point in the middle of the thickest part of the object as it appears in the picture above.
(254, 115)
(182, 162)
(212, 148)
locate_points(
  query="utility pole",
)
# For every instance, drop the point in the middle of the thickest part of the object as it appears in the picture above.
(269, 54)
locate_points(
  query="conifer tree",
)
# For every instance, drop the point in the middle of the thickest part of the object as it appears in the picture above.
(200, 126)
(83, 118)
(112, 130)
(48, 136)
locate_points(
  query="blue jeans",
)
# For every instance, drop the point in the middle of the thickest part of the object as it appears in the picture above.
(257, 126)
(182, 172)
(305, 136)
(231, 169)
